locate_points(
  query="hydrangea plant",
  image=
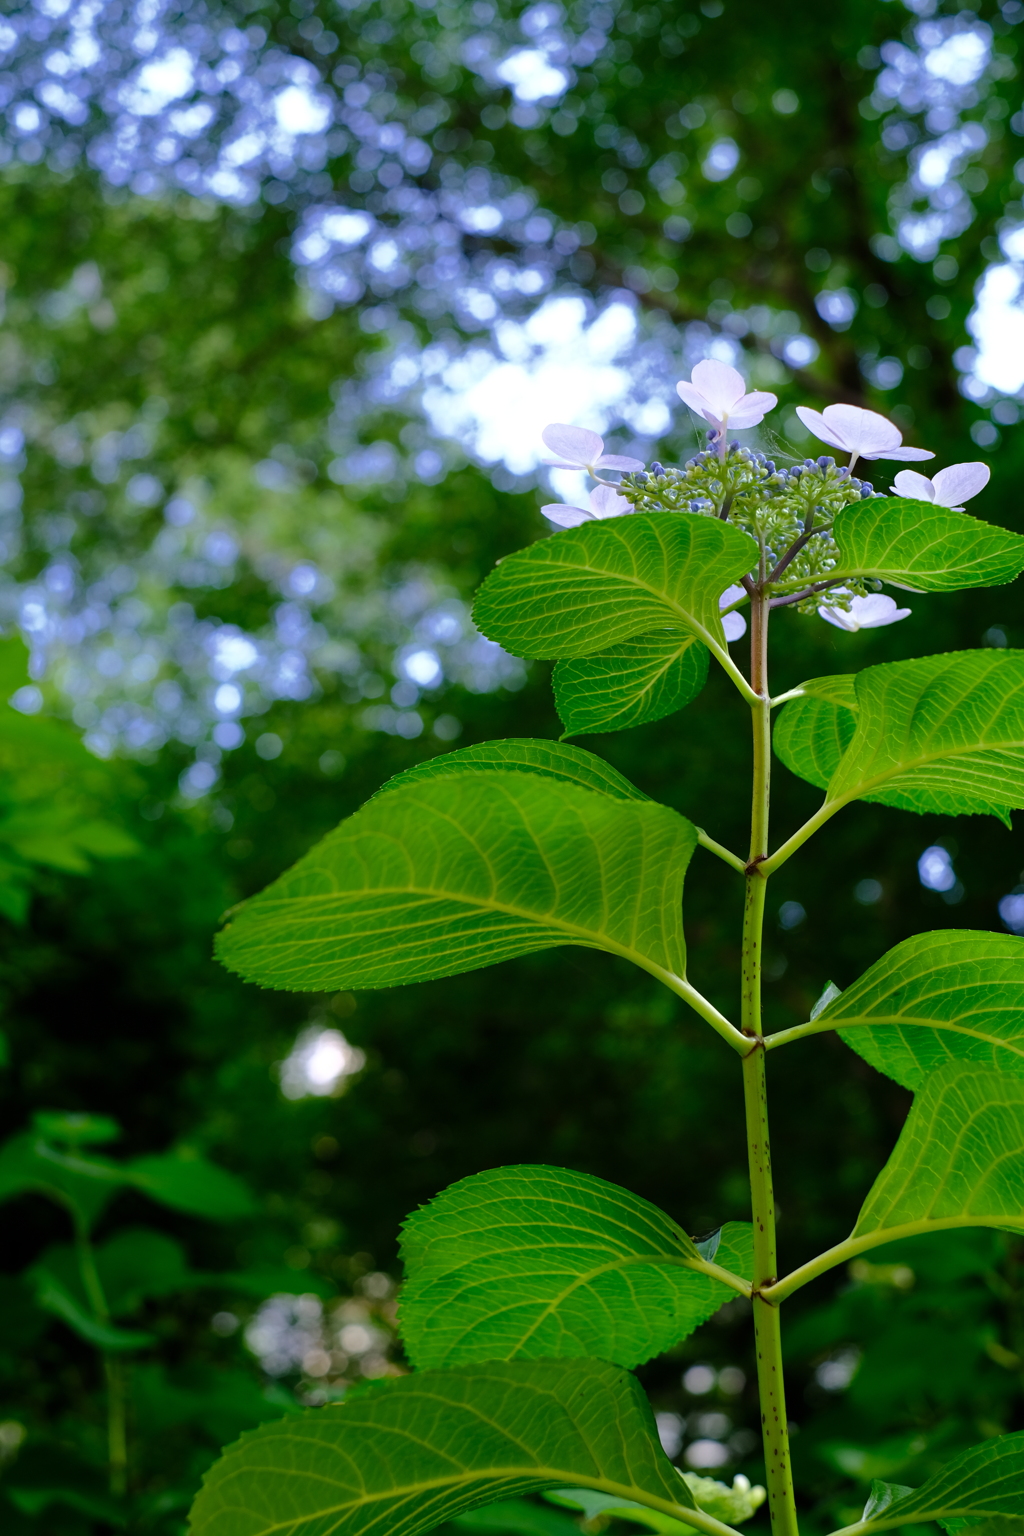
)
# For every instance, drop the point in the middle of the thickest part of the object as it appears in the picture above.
(531, 1293)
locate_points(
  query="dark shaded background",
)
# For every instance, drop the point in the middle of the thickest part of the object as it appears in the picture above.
(111, 1000)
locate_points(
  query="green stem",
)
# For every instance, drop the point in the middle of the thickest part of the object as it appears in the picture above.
(113, 1368)
(852, 1247)
(767, 1334)
(801, 1032)
(720, 851)
(700, 1005)
(117, 1430)
(818, 820)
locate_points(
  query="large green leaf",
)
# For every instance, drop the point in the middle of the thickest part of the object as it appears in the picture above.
(588, 589)
(922, 547)
(959, 1161)
(545, 1262)
(641, 680)
(985, 1482)
(457, 873)
(551, 759)
(943, 734)
(190, 1183)
(814, 731)
(410, 1453)
(938, 997)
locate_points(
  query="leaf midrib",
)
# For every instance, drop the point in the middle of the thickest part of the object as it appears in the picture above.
(661, 596)
(696, 1266)
(503, 908)
(913, 1022)
(557, 1477)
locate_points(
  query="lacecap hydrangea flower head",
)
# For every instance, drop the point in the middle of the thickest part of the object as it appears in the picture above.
(788, 510)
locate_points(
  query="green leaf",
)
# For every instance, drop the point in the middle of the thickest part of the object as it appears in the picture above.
(986, 1481)
(139, 1262)
(922, 547)
(81, 1185)
(882, 1495)
(190, 1183)
(36, 1501)
(813, 732)
(518, 1517)
(412, 1452)
(135, 1263)
(936, 998)
(77, 1130)
(550, 759)
(55, 835)
(545, 1262)
(641, 680)
(959, 1161)
(53, 1296)
(584, 591)
(443, 877)
(943, 734)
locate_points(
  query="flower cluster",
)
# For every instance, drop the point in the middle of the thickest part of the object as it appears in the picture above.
(788, 510)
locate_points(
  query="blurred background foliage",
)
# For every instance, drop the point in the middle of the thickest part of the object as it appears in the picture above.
(290, 291)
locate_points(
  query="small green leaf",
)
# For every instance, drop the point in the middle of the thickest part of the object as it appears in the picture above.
(936, 998)
(135, 1263)
(985, 1482)
(544, 1262)
(81, 1185)
(737, 1503)
(446, 876)
(190, 1183)
(518, 1517)
(922, 547)
(412, 1452)
(829, 994)
(36, 1501)
(959, 1161)
(550, 759)
(582, 592)
(53, 1296)
(943, 734)
(882, 1495)
(641, 680)
(77, 1130)
(138, 1262)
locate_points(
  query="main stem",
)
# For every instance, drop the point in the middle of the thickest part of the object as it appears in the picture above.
(767, 1333)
